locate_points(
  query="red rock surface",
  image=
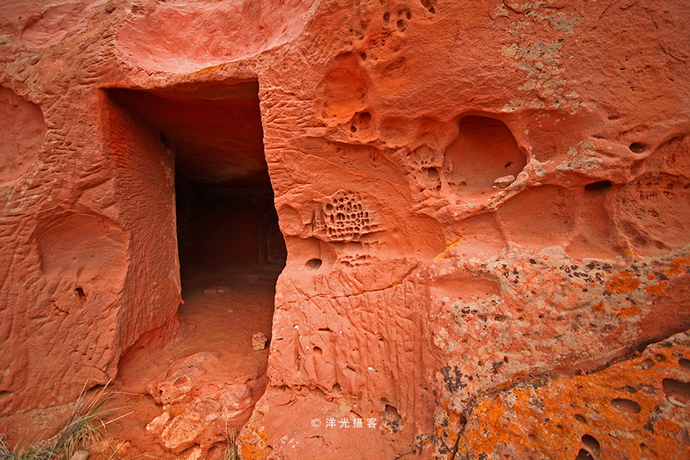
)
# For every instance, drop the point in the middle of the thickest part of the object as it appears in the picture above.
(484, 209)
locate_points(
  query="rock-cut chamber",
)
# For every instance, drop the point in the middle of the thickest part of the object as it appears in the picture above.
(229, 244)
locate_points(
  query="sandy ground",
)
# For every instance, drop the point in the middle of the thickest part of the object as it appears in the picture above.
(222, 310)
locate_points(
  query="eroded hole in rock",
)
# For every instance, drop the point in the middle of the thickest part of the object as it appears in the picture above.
(392, 421)
(79, 292)
(584, 455)
(677, 392)
(231, 252)
(429, 6)
(485, 153)
(432, 174)
(598, 186)
(590, 443)
(313, 264)
(626, 405)
(365, 119)
(637, 147)
(684, 364)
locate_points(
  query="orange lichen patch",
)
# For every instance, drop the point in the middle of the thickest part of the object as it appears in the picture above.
(623, 283)
(254, 444)
(657, 289)
(449, 245)
(452, 243)
(629, 410)
(599, 308)
(628, 311)
(651, 276)
(629, 253)
(676, 267)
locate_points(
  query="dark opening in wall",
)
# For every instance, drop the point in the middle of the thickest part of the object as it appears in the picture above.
(226, 227)
(225, 215)
(484, 155)
(230, 247)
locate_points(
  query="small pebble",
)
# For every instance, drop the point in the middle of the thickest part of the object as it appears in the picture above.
(80, 455)
(503, 182)
(259, 341)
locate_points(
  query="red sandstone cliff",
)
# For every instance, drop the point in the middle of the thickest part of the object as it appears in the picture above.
(485, 207)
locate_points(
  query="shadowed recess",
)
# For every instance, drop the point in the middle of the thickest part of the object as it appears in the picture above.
(217, 138)
(484, 151)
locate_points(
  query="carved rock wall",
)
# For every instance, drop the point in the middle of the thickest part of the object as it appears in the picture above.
(485, 205)
(500, 173)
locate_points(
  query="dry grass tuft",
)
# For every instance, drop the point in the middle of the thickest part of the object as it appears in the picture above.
(85, 430)
(231, 451)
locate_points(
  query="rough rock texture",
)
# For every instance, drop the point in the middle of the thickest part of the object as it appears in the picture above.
(199, 403)
(634, 409)
(485, 207)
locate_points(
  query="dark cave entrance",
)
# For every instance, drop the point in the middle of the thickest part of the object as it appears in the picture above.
(191, 164)
(225, 230)
(226, 220)
(230, 247)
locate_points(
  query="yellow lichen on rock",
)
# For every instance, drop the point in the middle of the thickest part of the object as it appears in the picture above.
(634, 409)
